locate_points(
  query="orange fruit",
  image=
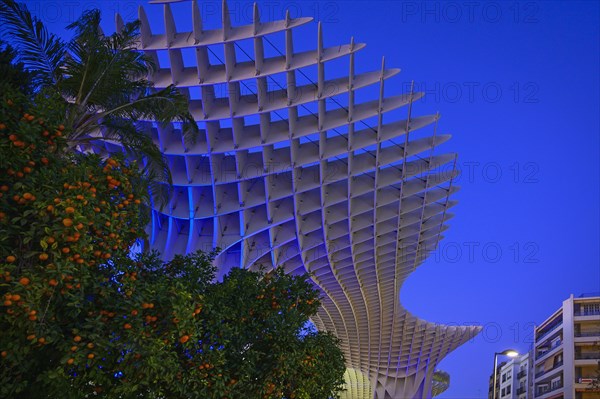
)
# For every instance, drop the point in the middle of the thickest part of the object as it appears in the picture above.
(184, 339)
(70, 361)
(43, 256)
(90, 356)
(77, 338)
(10, 259)
(3, 354)
(24, 281)
(127, 326)
(31, 337)
(53, 282)
(69, 209)
(16, 297)
(42, 340)
(67, 222)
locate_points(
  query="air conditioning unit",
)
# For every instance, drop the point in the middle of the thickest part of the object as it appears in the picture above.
(586, 380)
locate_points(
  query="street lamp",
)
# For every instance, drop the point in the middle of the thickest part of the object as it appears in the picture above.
(507, 352)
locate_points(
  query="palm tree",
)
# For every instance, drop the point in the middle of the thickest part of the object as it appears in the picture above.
(103, 81)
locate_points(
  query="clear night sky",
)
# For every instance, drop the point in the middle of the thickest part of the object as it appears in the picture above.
(517, 84)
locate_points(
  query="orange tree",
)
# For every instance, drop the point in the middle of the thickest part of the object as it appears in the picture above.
(80, 316)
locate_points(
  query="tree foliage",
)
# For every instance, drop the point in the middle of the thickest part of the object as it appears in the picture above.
(80, 316)
(103, 84)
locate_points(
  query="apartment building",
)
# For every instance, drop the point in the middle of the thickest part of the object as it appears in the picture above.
(514, 379)
(566, 351)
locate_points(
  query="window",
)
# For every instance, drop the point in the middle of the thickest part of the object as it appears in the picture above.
(503, 392)
(508, 390)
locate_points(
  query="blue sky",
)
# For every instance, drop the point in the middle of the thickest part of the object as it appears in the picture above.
(517, 85)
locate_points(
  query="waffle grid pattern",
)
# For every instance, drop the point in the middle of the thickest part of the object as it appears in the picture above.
(308, 178)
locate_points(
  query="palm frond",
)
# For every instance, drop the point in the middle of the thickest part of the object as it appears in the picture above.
(40, 51)
(104, 71)
(87, 27)
(163, 106)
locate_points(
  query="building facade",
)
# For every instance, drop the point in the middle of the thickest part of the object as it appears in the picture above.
(514, 379)
(296, 167)
(567, 351)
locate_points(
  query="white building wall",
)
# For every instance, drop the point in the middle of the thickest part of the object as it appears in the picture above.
(547, 357)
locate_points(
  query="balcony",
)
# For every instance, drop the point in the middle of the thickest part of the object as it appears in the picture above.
(549, 329)
(547, 389)
(587, 333)
(557, 365)
(592, 312)
(522, 374)
(550, 349)
(587, 356)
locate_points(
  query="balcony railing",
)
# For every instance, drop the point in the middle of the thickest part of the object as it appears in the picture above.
(522, 374)
(587, 333)
(545, 389)
(589, 355)
(591, 312)
(542, 354)
(521, 390)
(557, 365)
(549, 330)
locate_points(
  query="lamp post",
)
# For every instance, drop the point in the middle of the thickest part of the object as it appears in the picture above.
(507, 352)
